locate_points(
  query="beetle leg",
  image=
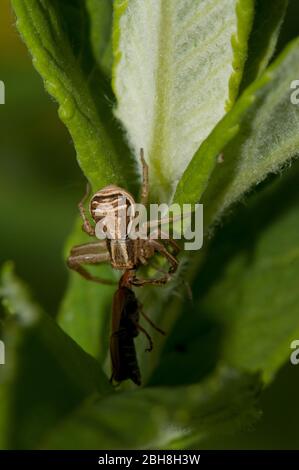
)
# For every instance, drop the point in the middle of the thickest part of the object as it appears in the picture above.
(150, 321)
(75, 262)
(145, 184)
(140, 328)
(87, 227)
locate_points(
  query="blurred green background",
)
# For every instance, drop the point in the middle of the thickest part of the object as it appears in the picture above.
(40, 185)
(40, 182)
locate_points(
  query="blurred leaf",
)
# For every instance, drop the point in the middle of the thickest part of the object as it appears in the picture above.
(268, 20)
(245, 296)
(257, 137)
(161, 417)
(289, 30)
(57, 36)
(46, 373)
(192, 348)
(278, 426)
(248, 284)
(171, 94)
(100, 13)
(86, 308)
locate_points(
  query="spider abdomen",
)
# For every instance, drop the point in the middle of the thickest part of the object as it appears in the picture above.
(111, 202)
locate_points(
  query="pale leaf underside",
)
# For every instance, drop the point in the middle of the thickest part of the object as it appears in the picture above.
(175, 62)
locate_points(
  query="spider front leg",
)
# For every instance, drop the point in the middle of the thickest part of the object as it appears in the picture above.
(87, 227)
(144, 201)
(145, 183)
(89, 254)
(160, 248)
(153, 246)
(139, 282)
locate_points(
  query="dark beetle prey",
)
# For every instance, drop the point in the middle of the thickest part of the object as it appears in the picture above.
(126, 311)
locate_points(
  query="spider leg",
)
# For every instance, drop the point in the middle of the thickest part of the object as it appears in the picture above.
(160, 248)
(87, 227)
(156, 226)
(83, 254)
(137, 282)
(145, 183)
(184, 283)
(89, 248)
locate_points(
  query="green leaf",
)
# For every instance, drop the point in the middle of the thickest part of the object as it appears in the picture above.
(100, 13)
(247, 289)
(57, 36)
(257, 297)
(46, 374)
(267, 140)
(268, 20)
(86, 308)
(172, 94)
(257, 137)
(161, 417)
